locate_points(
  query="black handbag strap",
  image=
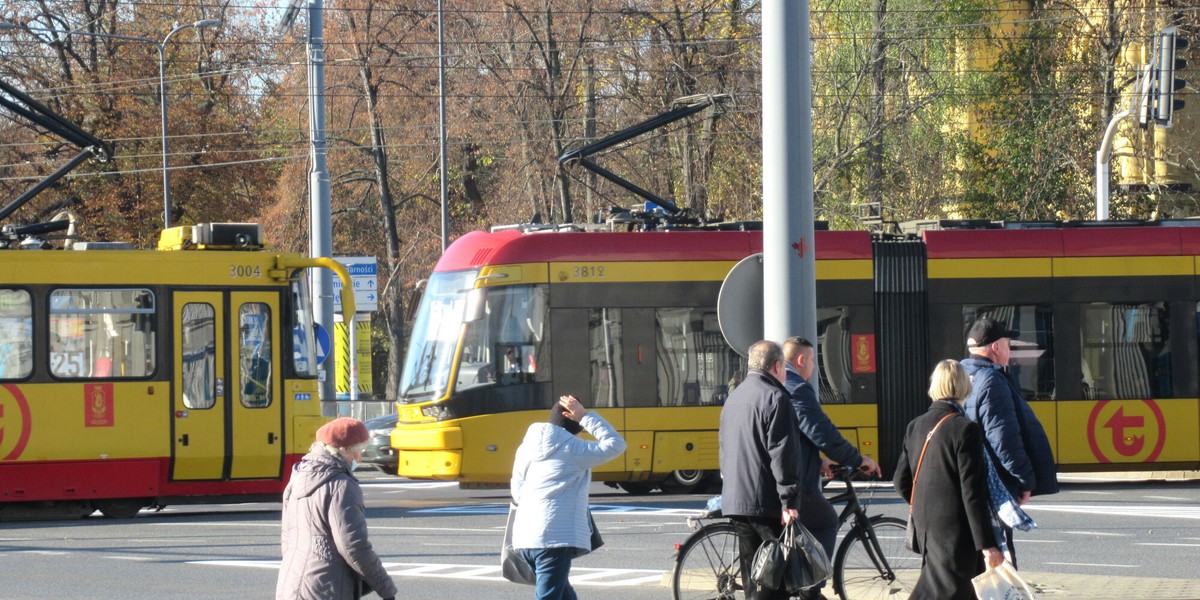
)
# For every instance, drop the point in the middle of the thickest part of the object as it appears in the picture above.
(913, 498)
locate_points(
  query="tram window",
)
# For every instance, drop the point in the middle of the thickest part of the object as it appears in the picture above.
(1032, 362)
(16, 334)
(254, 354)
(605, 357)
(1126, 351)
(102, 333)
(304, 335)
(199, 349)
(834, 360)
(506, 346)
(695, 365)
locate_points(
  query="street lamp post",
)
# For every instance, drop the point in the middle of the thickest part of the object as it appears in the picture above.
(162, 95)
(162, 86)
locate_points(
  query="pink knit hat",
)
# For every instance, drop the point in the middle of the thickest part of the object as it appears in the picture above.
(343, 432)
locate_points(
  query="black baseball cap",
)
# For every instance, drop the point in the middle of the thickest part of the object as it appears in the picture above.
(986, 330)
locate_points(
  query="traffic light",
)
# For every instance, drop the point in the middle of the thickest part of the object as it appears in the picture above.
(1165, 83)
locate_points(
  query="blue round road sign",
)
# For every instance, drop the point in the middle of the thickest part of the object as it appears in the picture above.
(322, 344)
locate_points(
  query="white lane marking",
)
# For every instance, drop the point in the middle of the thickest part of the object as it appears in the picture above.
(1163, 511)
(1166, 544)
(581, 576)
(597, 509)
(408, 485)
(1166, 498)
(1067, 564)
(1096, 533)
(132, 557)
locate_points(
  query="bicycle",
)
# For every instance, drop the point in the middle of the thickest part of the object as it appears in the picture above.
(870, 561)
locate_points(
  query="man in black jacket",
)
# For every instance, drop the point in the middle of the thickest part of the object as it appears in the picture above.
(760, 459)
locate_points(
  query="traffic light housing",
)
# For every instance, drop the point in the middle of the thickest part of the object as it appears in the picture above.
(1164, 101)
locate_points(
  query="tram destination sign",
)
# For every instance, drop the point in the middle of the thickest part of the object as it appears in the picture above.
(364, 278)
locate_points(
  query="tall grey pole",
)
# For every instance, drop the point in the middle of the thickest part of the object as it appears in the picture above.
(320, 213)
(789, 268)
(442, 129)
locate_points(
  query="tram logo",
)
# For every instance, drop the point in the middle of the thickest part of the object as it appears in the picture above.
(98, 405)
(1126, 431)
(864, 353)
(14, 422)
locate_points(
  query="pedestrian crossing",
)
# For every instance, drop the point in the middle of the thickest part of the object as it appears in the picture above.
(580, 576)
(1167, 511)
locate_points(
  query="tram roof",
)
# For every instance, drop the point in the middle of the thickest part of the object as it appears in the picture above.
(1134, 240)
(1013, 240)
(513, 246)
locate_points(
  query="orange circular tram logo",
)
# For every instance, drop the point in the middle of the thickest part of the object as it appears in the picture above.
(14, 422)
(1126, 431)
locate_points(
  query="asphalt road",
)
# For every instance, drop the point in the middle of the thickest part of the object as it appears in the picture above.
(441, 542)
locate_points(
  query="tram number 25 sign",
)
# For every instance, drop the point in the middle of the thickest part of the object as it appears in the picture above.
(1126, 431)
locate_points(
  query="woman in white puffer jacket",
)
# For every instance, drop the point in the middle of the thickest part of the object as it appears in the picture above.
(550, 480)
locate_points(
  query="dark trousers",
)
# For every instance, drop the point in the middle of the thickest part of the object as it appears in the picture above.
(751, 533)
(819, 517)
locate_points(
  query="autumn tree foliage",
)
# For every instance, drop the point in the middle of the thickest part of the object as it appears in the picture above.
(527, 80)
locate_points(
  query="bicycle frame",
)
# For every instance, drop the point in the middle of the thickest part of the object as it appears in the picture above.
(861, 520)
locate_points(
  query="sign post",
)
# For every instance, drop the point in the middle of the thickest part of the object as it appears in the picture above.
(364, 278)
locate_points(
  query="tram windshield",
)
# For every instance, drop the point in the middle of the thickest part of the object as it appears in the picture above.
(304, 336)
(501, 344)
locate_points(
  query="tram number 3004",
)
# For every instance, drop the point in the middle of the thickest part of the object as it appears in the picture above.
(245, 271)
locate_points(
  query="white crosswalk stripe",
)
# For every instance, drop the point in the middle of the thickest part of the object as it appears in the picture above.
(580, 576)
(500, 509)
(1167, 511)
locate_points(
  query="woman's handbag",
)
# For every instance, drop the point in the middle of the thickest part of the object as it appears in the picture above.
(910, 533)
(513, 565)
(1002, 583)
(597, 541)
(807, 564)
(769, 564)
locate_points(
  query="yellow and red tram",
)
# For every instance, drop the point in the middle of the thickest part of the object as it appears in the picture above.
(626, 321)
(134, 378)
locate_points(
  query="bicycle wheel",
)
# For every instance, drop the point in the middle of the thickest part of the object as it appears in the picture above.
(708, 567)
(860, 570)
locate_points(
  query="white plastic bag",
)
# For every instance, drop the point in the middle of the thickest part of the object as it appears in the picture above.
(1002, 583)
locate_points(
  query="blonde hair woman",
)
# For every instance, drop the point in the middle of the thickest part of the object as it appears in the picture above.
(943, 452)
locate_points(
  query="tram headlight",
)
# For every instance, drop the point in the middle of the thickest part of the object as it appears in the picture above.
(436, 411)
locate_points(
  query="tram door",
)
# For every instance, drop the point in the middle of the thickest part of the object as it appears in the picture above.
(199, 404)
(227, 414)
(254, 397)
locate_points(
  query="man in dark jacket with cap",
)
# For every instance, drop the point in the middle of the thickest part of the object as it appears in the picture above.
(1014, 437)
(760, 459)
(326, 554)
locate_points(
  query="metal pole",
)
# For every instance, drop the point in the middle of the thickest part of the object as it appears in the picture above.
(352, 359)
(442, 129)
(320, 213)
(789, 268)
(1103, 172)
(162, 103)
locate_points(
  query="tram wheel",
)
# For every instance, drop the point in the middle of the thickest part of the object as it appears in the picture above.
(121, 508)
(682, 481)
